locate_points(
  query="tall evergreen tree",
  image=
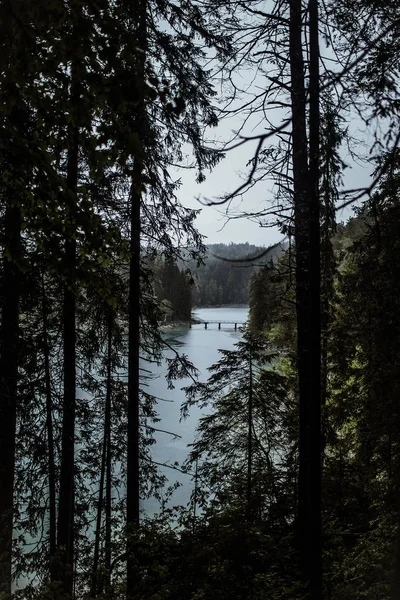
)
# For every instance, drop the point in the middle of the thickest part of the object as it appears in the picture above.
(139, 24)
(65, 533)
(9, 361)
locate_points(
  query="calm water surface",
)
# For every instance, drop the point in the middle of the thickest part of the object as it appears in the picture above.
(201, 346)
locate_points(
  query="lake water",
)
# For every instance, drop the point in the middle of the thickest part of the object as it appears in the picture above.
(201, 346)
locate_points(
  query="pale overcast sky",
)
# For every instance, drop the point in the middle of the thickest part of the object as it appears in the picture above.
(226, 177)
(212, 220)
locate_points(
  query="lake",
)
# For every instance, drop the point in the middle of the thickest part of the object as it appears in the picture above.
(201, 346)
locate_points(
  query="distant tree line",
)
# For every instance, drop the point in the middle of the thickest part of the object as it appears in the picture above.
(218, 281)
(173, 290)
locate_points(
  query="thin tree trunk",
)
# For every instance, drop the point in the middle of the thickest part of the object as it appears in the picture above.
(249, 499)
(8, 388)
(394, 477)
(133, 474)
(195, 494)
(314, 306)
(50, 436)
(95, 588)
(301, 216)
(139, 9)
(327, 272)
(65, 531)
(249, 444)
(395, 592)
(107, 543)
(307, 235)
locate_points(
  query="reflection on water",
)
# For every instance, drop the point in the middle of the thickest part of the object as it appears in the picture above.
(201, 346)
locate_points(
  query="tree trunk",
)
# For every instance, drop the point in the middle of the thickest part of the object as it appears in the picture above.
(249, 444)
(50, 436)
(395, 595)
(9, 387)
(67, 492)
(300, 192)
(107, 543)
(95, 588)
(195, 494)
(314, 306)
(133, 473)
(307, 236)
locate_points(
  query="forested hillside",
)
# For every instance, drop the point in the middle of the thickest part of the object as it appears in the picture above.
(360, 383)
(173, 290)
(220, 281)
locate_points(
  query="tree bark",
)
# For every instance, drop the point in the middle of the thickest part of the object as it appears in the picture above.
(139, 9)
(108, 507)
(95, 588)
(307, 236)
(300, 192)
(65, 530)
(50, 436)
(133, 469)
(249, 443)
(9, 387)
(107, 543)
(395, 592)
(314, 305)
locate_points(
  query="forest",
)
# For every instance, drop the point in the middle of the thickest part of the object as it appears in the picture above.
(296, 461)
(173, 290)
(216, 281)
(226, 282)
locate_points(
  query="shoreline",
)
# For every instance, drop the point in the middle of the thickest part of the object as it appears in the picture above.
(168, 326)
(176, 325)
(220, 306)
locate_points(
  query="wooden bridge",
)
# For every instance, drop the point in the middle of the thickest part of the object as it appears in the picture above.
(219, 323)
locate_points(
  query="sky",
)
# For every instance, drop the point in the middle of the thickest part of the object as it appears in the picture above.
(230, 172)
(212, 221)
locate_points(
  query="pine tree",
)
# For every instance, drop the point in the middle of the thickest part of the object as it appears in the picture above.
(231, 436)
